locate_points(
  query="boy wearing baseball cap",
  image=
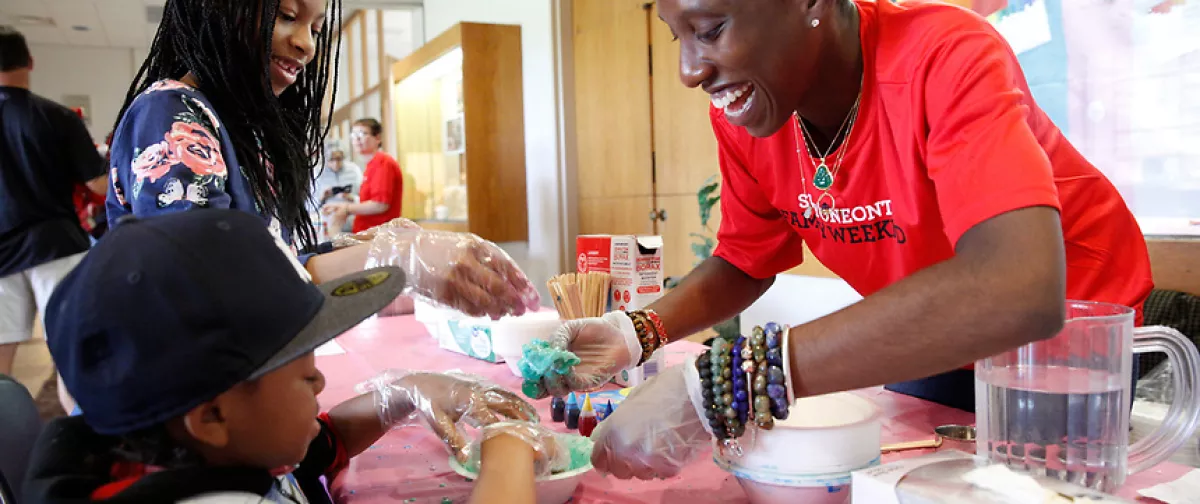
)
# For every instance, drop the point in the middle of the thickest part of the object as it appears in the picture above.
(188, 339)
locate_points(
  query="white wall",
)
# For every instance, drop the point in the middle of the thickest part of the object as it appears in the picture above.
(796, 299)
(541, 257)
(103, 74)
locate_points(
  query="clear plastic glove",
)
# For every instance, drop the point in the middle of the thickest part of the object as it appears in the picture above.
(444, 402)
(656, 432)
(550, 455)
(458, 270)
(605, 346)
(364, 237)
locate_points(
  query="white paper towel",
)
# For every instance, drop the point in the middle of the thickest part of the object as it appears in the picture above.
(1185, 490)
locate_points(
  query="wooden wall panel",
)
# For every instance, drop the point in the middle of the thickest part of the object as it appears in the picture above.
(1175, 264)
(494, 112)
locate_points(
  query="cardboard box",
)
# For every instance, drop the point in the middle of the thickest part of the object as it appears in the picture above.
(635, 264)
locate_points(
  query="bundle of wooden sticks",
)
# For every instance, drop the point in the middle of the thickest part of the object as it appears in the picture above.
(580, 295)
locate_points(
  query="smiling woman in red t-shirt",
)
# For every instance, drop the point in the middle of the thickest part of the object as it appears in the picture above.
(382, 191)
(900, 142)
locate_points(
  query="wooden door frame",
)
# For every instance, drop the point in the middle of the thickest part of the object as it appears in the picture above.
(563, 23)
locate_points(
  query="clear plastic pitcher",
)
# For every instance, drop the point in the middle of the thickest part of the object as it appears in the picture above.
(1060, 407)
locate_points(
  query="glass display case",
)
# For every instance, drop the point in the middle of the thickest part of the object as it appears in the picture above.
(458, 114)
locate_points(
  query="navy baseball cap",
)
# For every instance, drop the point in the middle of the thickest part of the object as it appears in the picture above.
(168, 312)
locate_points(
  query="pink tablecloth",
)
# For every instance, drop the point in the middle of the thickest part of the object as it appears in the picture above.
(409, 465)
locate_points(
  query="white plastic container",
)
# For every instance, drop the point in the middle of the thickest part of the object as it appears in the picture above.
(456, 332)
(809, 457)
(510, 334)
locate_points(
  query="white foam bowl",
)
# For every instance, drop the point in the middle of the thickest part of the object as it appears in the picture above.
(552, 489)
(809, 456)
(510, 334)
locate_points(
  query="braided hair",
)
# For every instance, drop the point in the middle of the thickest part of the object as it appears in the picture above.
(223, 44)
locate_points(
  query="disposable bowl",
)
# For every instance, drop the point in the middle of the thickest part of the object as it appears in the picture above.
(556, 488)
(808, 457)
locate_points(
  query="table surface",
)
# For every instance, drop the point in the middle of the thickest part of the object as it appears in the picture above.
(410, 465)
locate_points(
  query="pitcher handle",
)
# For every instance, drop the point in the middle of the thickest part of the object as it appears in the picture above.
(1183, 414)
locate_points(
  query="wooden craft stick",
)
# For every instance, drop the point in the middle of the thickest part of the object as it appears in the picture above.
(575, 301)
(566, 304)
(556, 296)
(912, 445)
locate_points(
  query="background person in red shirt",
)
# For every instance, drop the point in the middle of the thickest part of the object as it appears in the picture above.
(901, 143)
(382, 192)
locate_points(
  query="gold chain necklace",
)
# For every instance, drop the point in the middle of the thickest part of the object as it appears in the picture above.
(823, 177)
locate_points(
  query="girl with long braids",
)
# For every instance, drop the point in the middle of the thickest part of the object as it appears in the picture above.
(226, 112)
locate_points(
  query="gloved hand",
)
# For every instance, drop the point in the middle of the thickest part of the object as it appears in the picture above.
(605, 346)
(443, 402)
(364, 237)
(657, 430)
(458, 270)
(549, 453)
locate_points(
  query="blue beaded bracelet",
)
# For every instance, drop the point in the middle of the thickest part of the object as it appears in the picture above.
(776, 380)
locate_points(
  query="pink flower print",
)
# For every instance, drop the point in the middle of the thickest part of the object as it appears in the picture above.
(192, 145)
(116, 185)
(166, 85)
(152, 163)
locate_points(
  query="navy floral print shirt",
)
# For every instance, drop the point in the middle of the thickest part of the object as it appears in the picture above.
(170, 153)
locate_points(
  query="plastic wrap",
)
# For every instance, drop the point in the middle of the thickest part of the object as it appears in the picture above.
(1158, 385)
(604, 346)
(444, 403)
(456, 270)
(343, 240)
(550, 454)
(655, 433)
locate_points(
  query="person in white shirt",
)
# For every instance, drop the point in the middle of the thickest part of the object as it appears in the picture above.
(339, 181)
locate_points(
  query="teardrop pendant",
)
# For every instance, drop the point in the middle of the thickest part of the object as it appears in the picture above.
(822, 179)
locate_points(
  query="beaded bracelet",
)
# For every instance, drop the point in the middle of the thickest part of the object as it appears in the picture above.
(756, 349)
(741, 391)
(647, 334)
(733, 424)
(722, 386)
(776, 387)
(706, 391)
(659, 328)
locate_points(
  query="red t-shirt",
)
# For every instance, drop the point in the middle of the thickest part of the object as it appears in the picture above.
(384, 183)
(947, 136)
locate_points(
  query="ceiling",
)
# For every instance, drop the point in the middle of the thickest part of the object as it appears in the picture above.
(111, 23)
(89, 23)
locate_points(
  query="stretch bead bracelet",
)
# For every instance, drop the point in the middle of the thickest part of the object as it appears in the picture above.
(741, 389)
(704, 367)
(659, 328)
(756, 346)
(722, 386)
(648, 336)
(776, 387)
(733, 425)
(744, 380)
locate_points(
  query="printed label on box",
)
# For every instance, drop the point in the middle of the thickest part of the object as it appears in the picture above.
(635, 263)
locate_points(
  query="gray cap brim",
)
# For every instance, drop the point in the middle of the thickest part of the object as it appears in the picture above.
(348, 301)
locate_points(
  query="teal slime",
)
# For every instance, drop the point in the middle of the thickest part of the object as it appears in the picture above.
(578, 446)
(540, 360)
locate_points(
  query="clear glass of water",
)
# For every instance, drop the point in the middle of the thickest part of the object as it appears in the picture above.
(1060, 407)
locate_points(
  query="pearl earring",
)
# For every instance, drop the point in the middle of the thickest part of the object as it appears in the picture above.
(816, 22)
